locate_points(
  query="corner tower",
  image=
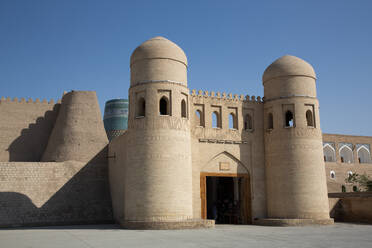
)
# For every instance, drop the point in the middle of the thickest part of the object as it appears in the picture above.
(295, 173)
(158, 188)
(78, 133)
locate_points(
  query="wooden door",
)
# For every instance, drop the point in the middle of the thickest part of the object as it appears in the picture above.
(203, 196)
(245, 203)
(244, 189)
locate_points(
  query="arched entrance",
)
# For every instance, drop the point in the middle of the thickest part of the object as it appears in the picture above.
(225, 191)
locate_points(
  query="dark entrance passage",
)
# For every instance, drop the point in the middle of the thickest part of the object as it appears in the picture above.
(226, 198)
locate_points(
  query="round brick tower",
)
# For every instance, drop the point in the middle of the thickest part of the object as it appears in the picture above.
(295, 173)
(158, 188)
(78, 133)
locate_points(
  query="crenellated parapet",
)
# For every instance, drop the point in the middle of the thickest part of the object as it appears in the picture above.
(224, 96)
(225, 116)
(25, 126)
(29, 100)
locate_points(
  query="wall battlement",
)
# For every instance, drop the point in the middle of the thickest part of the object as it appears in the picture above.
(29, 100)
(25, 128)
(55, 167)
(225, 96)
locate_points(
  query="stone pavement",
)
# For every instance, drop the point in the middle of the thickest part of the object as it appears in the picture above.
(338, 235)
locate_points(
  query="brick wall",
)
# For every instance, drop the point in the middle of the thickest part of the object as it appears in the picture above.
(70, 192)
(25, 128)
(341, 169)
(351, 207)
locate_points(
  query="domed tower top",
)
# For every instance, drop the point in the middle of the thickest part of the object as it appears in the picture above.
(289, 76)
(288, 65)
(158, 48)
(158, 60)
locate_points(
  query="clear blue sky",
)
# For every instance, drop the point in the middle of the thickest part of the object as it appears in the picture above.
(47, 47)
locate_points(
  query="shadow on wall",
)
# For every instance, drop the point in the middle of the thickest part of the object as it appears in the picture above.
(32, 142)
(336, 210)
(84, 199)
(352, 207)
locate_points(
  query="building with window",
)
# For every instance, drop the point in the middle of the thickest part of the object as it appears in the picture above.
(250, 159)
(345, 155)
(185, 159)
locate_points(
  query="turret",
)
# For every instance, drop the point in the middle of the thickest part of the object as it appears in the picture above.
(78, 133)
(295, 173)
(158, 188)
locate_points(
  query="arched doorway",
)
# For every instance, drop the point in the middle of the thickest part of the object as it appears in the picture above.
(225, 190)
(226, 197)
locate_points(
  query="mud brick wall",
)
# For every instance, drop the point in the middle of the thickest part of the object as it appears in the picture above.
(351, 207)
(25, 127)
(33, 193)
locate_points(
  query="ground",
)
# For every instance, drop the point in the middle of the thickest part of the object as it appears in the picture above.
(338, 235)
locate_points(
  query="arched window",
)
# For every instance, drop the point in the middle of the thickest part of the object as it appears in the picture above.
(248, 125)
(164, 106)
(183, 109)
(346, 154)
(363, 155)
(332, 174)
(270, 121)
(355, 188)
(309, 118)
(343, 188)
(216, 120)
(232, 121)
(199, 118)
(289, 119)
(329, 153)
(141, 107)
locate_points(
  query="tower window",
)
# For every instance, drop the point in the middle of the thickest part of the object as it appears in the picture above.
(183, 109)
(289, 119)
(216, 123)
(199, 118)
(248, 125)
(141, 107)
(309, 118)
(270, 121)
(232, 121)
(164, 106)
